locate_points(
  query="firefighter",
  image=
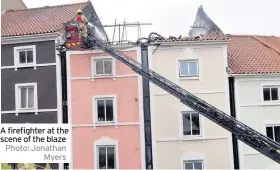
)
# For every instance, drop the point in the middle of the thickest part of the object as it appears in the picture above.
(82, 20)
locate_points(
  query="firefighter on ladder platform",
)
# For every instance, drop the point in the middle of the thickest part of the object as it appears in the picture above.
(82, 20)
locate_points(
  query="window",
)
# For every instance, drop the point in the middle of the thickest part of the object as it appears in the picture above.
(191, 124)
(25, 55)
(26, 96)
(188, 68)
(105, 109)
(106, 157)
(273, 132)
(103, 67)
(193, 165)
(271, 93)
(106, 153)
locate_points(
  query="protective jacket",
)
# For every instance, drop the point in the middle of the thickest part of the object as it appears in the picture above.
(81, 18)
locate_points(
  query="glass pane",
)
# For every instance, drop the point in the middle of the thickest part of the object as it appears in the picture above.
(29, 56)
(197, 165)
(23, 97)
(188, 165)
(100, 110)
(30, 97)
(111, 157)
(269, 132)
(274, 94)
(102, 158)
(193, 68)
(99, 67)
(195, 124)
(277, 133)
(108, 67)
(266, 94)
(186, 124)
(184, 69)
(109, 110)
(22, 57)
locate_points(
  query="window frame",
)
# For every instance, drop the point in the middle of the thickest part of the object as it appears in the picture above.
(105, 146)
(270, 87)
(24, 48)
(193, 161)
(18, 97)
(182, 125)
(102, 58)
(271, 125)
(105, 141)
(95, 110)
(188, 61)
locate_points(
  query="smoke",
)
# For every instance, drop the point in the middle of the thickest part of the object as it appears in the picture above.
(97, 31)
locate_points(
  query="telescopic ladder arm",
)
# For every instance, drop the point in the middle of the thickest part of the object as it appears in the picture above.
(249, 136)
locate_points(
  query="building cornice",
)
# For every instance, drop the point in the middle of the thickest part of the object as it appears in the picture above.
(30, 38)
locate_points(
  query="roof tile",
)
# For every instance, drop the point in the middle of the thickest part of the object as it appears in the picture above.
(248, 54)
(37, 20)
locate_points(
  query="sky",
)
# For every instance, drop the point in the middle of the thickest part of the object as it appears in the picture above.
(174, 17)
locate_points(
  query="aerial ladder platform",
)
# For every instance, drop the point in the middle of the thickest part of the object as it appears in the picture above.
(244, 133)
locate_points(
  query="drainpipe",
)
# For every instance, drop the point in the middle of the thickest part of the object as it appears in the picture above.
(147, 111)
(62, 54)
(233, 114)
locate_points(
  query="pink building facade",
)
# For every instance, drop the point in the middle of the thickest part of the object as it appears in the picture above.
(105, 108)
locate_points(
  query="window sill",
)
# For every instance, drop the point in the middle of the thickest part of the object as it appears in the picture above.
(25, 66)
(188, 78)
(103, 77)
(198, 137)
(272, 103)
(102, 124)
(116, 124)
(35, 111)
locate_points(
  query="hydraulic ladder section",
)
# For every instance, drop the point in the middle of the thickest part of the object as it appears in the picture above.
(256, 140)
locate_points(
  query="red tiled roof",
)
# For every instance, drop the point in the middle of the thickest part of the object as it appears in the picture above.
(248, 54)
(37, 20)
(210, 37)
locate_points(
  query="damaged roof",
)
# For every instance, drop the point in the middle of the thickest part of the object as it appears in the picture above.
(38, 20)
(250, 54)
(215, 36)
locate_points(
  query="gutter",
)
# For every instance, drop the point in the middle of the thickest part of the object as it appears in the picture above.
(29, 38)
(255, 75)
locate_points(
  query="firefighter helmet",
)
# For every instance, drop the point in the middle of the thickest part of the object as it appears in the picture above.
(79, 11)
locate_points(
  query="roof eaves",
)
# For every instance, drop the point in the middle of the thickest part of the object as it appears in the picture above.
(254, 74)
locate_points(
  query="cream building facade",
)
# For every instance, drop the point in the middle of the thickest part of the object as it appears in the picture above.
(181, 137)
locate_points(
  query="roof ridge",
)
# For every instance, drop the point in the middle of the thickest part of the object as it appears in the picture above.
(45, 7)
(266, 44)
